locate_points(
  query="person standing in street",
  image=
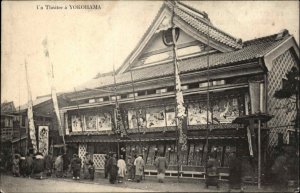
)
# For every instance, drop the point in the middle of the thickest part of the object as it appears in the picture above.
(161, 166)
(212, 171)
(38, 166)
(58, 166)
(92, 170)
(105, 166)
(76, 166)
(66, 163)
(122, 169)
(16, 165)
(48, 164)
(29, 164)
(139, 168)
(23, 166)
(86, 163)
(235, 172)
(130, 168)
(112, 168)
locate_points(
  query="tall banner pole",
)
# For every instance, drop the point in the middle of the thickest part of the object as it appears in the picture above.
(30, 115)
(53, 90)
(180, 109)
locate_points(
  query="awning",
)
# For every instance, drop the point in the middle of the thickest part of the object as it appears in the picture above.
(106, 139)
(246, 118)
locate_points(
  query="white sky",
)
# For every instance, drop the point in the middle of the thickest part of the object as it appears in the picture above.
(85, 42)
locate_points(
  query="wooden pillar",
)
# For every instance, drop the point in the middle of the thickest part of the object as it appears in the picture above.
(259, 156)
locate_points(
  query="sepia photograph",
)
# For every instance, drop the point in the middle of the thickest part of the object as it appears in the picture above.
(149, 96)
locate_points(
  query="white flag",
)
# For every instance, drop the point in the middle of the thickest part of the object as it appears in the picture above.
(53, 90)
(30, 115)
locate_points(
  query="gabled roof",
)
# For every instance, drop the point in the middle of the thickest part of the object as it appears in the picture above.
(252, 50)
(192, 22)
(7, 107)
(37, 101)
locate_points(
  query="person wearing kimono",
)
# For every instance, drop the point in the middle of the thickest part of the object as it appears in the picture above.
(66, 163)
(76, 166)
(139, 168)
(48, 164)
(235, 172)
(23, 166)
(58, 166)
(161, 166)
(38, 166)
(29, 164)
(16, 165)
(122, 169)
(112, 169)
(212, 174)
(105, 166)
(86, 164)
(92, 170)
(131, 168)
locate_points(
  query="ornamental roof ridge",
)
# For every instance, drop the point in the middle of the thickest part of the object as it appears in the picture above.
(232, 41)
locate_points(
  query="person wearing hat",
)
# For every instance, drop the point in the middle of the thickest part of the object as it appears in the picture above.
(76, 165)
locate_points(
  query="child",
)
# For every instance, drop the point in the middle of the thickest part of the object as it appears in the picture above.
(91, 170)
(16, 166)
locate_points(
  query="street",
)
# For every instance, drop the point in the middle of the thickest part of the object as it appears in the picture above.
(20, 184)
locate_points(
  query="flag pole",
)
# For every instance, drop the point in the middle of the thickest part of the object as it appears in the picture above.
(180, 109)
(53, 90)
(207, 100)
(31, 127)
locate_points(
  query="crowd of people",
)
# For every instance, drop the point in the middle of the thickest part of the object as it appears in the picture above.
(117, 169)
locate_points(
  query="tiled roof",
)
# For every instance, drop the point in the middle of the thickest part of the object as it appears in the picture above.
(37, 101)
(8, 107)
(252, 49)
(202, 26)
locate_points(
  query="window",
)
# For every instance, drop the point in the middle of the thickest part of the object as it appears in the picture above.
(123, 96)
(151, 92)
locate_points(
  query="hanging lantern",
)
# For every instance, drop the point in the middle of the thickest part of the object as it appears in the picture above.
(169, 149)
(155, 149)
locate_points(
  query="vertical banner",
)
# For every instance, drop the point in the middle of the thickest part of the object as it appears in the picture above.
(53, 89)
(249, 142)
(43, 139)
(180, 109)
(257, 97)
(30, 115)
(254, 90)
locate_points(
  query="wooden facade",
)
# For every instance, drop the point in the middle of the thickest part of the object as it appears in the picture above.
(145, 93)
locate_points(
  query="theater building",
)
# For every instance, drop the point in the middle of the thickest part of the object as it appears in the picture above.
(210, 60)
